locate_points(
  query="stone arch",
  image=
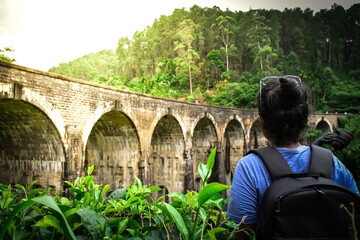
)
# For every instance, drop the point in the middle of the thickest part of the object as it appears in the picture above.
(256, 136)
(165, 113)
(113, 146)
(41, 102)
(234, 144)
(31, 146)
(204, 139)
(166, 162)
(98, 113)
(323, 124)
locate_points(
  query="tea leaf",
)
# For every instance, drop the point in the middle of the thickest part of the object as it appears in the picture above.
(91, 221)
(50, 203)
(211, 159)
(179, 196)
(203, 172)
(122, 225)
(48, 220)
(210, 190)
(13, 213)
(179, 221)
(90, 169)
(105, 189)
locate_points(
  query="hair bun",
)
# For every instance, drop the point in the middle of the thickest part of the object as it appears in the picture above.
(290, 90)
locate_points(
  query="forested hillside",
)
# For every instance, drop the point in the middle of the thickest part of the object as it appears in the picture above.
(217, 57)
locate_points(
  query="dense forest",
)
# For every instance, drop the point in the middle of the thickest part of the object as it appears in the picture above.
(217, 57)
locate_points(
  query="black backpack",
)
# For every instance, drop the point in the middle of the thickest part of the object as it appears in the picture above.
(306, 206)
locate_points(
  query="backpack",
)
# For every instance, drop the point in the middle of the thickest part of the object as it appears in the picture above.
(307, 205)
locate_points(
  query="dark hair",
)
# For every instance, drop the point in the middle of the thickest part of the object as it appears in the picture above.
(284, 109)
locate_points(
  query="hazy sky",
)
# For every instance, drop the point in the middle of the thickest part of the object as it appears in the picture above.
(44, 33)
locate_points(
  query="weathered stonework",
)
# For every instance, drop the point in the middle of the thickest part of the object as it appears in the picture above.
(53, 127)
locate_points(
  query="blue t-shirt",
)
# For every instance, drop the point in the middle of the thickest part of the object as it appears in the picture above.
(251, 179)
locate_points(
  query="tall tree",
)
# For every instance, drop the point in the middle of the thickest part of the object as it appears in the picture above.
(224, 25)
(187, 56)
(122, 52)
(217, 65)
(258, 40)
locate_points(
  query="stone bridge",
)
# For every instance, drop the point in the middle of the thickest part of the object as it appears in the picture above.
(53, 127)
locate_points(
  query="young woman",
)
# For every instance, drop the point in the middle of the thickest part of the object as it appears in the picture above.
(283, 115)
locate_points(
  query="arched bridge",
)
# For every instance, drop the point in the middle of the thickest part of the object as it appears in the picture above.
(53, 127)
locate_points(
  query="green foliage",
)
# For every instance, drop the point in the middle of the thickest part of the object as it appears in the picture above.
(91, 67)
(90, 213)
(313, 134)
(234, 94)
(350, 155)
(341, 99)
(4, 57)
(200, 47)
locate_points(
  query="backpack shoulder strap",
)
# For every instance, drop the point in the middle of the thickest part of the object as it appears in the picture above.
(321, 161)
(274, 162)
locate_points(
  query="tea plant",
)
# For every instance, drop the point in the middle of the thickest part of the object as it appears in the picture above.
(87, 211)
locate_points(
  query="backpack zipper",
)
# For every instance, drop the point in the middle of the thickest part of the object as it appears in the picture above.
(280, 198)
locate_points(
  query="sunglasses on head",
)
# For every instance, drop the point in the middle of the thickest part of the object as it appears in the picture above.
(266, 80)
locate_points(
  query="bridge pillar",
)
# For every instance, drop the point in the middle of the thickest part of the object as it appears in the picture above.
(142, 168)
(221, 166)
(189, 173)
(74, 164)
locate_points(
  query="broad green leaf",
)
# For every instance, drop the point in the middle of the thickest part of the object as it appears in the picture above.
(138, 182)
(211, 159)
(45, 200)
(155, 188)
(105, 189)
(122, 225)
(203, 171)
(202, 214)
(88, 179)
(91, 221)
(179, 196)
(48, 221)
(37, 209)
(96, 194)
(206, 170)
(64, 201)
(34, 192)
(13, 213)
(50, 203)
(7, 202)
(192, 197)
(90, 169)
(210, 190)
(19, 186)
(33, 183)
(117, 194)
(179, 221)
(211, 233)
(69, 183)
(70, 212)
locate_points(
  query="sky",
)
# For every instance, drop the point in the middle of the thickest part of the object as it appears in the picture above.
(45, 33)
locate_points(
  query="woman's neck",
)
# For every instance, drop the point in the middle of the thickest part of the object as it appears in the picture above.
(291, 145)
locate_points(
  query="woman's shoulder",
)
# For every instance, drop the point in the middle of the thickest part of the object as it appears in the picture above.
(251, 163)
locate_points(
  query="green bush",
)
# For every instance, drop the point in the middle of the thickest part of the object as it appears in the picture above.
(90, 212)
